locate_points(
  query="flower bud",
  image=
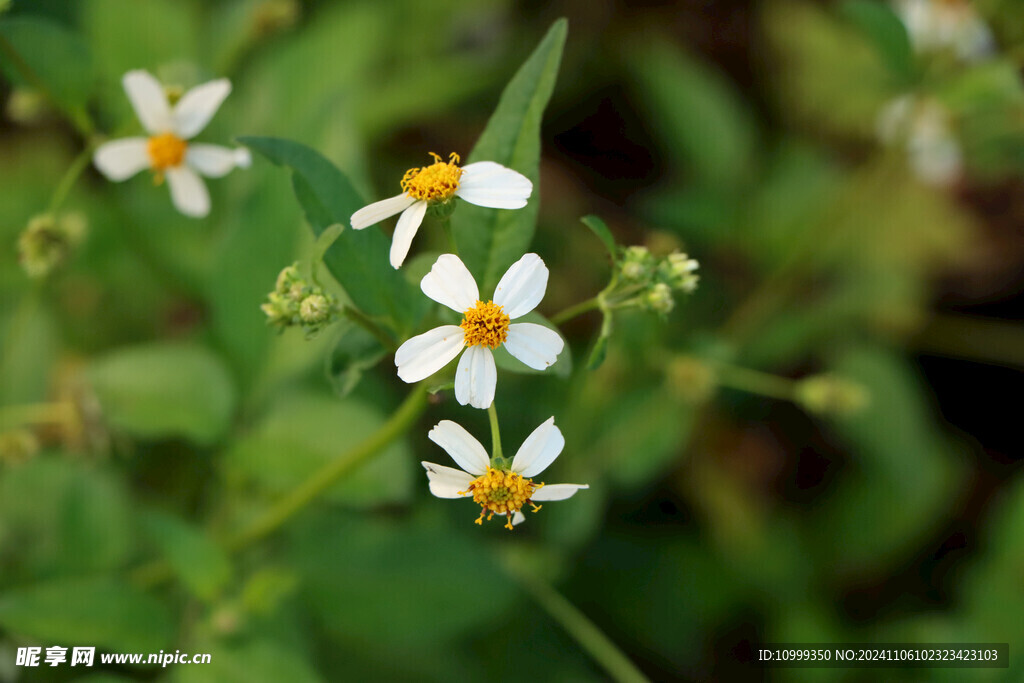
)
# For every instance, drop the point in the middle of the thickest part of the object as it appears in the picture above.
(272, 16)
(48, 241)
(659, 298)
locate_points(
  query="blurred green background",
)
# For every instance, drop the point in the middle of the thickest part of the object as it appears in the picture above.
(148, 412)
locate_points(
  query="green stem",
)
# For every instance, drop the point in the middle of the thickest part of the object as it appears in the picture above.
(579, 627)
(446, 225)
(36, 413)
(360, 318)
(159, 571)
(329, 474)
(575, 310)
(77, 116)
(756, 382)
(492, 413)
(320, 247)
(71, 176)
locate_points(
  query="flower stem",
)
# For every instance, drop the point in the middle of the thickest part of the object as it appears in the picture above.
(492, 413)
(76, 115)
(36, 413)
(446, 224)
(360, 318)
(578, 626)
(575, 310)
(329, 474)
(80, 163)
(756, 382)
(157, 572)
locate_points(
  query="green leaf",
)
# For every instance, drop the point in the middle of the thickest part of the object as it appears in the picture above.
(599, 228)
(600, 349)
(198, 561)
(880, 24)
(302, 432)
(702, 120)
(105, 612)
(165, 389)
(358, 259)
(356, 352)
(490, 240)
(562, 367)
(55, 55)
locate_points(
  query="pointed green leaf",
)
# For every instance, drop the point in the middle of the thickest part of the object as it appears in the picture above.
(599, 228)
(600, 350)
(355, 352)
(490, 240)
(358, 259)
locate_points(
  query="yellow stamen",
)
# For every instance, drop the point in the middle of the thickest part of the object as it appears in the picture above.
(434, 183)
(501, 492)
(486, 324)
(166, 150)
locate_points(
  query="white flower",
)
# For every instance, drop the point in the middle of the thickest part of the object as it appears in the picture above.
(924, 126)
(166, 151)
(946, 24)
(498, 488)
(484, 327)
(484, 183)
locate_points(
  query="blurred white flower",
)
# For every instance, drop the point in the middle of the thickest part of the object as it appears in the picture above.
(166, 151)
(495, 487)
(484, 183)
(924, 126)
(946, 24)
(485, 326)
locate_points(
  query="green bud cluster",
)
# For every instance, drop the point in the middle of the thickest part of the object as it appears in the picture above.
(48, 242)
(648, 282)
(296, 302)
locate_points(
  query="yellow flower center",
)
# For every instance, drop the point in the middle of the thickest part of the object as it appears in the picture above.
(486, 324)
(502, 492)
(434, 183)
(166, 150)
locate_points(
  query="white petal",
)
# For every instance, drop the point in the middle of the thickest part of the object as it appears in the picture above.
(557, 492)
(486, 183)
(211, 160)
(196, 107)
(522, 286)
(518, 518)
(450, 284)
(378, 211)
(446, 482)
(243, 158)
(188, 192)
(149, 101)
(408, 223)
(425, 354)
(539, 450)
(476, 378)
(533, 344)
(121, 159)
(465, 450)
